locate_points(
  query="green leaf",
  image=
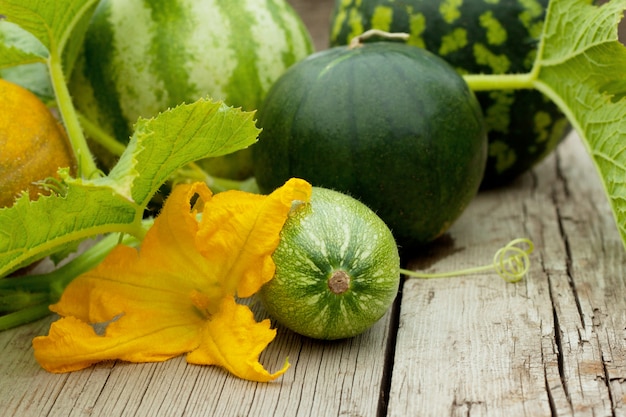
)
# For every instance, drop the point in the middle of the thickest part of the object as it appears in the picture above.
(18, 47)
(50, 22)
(23, 60)
(11, 56)
(31, 230)
(177, 137)
(581, 66)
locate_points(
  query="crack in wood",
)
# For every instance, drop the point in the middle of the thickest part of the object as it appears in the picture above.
(551, 401)
(568, 253)
(558, 342)
(390, 351)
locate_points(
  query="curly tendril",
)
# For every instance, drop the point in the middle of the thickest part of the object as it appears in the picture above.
(54, 185)
(510, 262)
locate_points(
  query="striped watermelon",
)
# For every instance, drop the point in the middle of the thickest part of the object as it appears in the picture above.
(142, 56)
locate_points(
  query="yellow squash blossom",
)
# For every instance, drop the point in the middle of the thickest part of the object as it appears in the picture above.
(176, 294)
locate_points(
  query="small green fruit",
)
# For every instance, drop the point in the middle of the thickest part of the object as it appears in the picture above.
(337, 268)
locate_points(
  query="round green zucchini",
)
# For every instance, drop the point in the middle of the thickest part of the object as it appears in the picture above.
(337, 268)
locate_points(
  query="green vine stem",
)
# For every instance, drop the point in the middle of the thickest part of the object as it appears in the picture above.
(13, 300)
(491, 82)
(26, 315)
(95, 133)
(86, 164)
(476, 82)
(510, 262)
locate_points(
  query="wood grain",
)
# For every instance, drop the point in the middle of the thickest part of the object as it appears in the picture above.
(551, 345)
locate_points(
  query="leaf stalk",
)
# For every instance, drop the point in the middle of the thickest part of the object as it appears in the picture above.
(491, 82)
(86, 164)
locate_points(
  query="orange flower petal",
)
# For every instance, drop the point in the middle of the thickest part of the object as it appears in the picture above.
(233, 340)
(166, 269)
(73, 344)
(177, 292)
(241, 235)
(144, 296)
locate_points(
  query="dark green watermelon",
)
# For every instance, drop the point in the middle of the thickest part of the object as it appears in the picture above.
(476, 36)
(390, 124)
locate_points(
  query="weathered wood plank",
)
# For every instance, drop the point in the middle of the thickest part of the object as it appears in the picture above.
(473, 345)
(596, 272)
(326, 379)
(572, 341)
(551, 345)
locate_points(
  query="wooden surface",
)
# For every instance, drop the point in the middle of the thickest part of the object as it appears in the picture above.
(551, 345)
